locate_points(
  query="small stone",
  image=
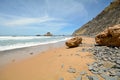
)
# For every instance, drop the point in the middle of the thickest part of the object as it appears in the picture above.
(106, 77)
(62, 66)
(83, 72)
(61, 78)
(31, 53)
(92, 77)
(116, 48)
(60, 55)
(118, 61)
(77, 54)
(13, 60)
(71, 70)
(79, 78)
(90, 67)
(71, 54)
(118, 74)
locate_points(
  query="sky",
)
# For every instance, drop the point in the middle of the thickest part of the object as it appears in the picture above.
(32, 17)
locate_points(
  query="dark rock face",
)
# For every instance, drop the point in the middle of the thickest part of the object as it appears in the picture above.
(109, 37)
(48, 34)
(74, 42)
(108, 17)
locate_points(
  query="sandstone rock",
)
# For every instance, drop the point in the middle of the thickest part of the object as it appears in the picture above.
(109, 37)
(74, 42)
(48, 34)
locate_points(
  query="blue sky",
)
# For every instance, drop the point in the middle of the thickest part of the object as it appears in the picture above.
(31, 17)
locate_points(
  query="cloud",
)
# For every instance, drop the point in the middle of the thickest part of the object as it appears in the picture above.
(87, 1)
(42, 15)
(66, 8)
(22, 21)
(27, 21)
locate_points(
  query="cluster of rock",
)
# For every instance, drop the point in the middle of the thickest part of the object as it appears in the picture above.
(107, 63)
(74, 42)
(109, 37)
(81, 74)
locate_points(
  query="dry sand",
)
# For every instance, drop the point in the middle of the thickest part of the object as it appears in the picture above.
(52, 64)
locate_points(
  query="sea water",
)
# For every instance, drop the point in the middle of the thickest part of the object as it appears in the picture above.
(13, 42)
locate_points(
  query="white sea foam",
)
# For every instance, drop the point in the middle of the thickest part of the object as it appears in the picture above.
(22, 37)
(22, 45)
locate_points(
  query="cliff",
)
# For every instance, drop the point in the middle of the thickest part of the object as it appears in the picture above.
(108, 17)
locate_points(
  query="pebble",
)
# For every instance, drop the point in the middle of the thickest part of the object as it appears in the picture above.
(13, 60)
(103, 54)
(109, 77)
(62, 66)
(118, 74)
(31, 53)
(79, 78)
(83, 73)
(71, 70)
(118, 61)
(61, 78)
(92, 77)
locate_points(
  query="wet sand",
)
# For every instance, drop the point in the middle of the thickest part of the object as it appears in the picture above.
(51, 64)
(8, 56)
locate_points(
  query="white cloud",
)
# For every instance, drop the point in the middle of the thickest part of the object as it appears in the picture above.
(27, 21)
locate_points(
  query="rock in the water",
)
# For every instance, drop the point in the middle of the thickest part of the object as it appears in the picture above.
(48, 34)
(109, 37)
(74, 42)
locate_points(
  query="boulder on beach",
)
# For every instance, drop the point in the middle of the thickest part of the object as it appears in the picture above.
(48, 34)
(74, 42)
(109, 37)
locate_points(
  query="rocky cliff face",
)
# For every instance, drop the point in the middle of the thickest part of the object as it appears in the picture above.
(108, 17)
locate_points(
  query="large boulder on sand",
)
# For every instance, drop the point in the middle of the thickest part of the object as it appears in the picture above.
(74, 42)
(109, 37)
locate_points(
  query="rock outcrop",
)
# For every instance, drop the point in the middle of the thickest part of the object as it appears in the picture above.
(74, 42)
(48, 34)
(109, 37)
(108, 17)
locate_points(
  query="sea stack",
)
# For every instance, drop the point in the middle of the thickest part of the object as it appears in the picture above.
(48, 34)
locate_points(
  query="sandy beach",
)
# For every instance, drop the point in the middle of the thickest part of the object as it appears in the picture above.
(51, 64)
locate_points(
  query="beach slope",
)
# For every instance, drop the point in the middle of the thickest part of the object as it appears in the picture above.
(53, 64)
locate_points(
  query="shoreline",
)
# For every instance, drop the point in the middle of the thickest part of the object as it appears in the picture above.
(18, 54)
(59, 63)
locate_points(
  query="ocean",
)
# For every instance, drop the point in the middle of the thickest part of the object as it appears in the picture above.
(13, 42)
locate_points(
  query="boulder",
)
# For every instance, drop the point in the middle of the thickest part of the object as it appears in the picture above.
(109, 37)
(74, 42)
(48, 34)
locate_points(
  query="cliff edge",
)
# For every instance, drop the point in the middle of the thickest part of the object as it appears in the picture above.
(108, 17)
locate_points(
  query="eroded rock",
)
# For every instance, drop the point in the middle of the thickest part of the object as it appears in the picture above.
(109, 37)
(74, 42)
